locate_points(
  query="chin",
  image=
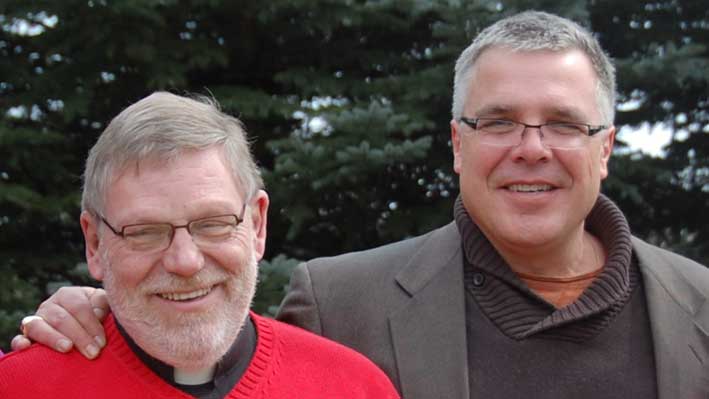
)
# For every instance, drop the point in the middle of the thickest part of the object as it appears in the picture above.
(198, 347)
(528, 232)
(190, 341)
(185, 340)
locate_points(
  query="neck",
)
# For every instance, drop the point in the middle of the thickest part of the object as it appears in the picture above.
(581, 254)
(194, 376)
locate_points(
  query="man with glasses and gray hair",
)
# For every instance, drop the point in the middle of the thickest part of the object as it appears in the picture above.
(537, 288)
(174, 221)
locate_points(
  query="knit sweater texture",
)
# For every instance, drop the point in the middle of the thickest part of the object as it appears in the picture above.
(288, 363)
(520, 313)
(521, 346)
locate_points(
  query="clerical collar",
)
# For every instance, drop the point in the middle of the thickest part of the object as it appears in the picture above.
(229, 369)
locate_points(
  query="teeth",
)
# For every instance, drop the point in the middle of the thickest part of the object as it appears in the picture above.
(529, 188)
(183, 296)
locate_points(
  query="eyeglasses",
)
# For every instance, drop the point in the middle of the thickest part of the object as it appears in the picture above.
(507, 133)
(144, 237)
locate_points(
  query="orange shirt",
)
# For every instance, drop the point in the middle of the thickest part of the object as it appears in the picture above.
(559, 291)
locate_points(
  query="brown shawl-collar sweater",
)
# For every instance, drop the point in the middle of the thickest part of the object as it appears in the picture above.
(519, 345)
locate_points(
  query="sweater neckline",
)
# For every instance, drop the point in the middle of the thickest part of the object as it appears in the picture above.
(261, 367)
(560, 280)
(607, 292)
(228, 370)
(258, 370)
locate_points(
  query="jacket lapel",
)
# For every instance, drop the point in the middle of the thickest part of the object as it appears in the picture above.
(680, 331)
(429, 338)
(428, 332)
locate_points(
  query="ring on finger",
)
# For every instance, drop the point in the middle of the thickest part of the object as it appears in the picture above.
(26, 321)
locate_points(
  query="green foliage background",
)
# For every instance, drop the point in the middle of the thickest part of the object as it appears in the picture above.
(379, 73)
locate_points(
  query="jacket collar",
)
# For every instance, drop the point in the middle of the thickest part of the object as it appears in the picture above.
(435, 316)
(679, 319)
(428, 333)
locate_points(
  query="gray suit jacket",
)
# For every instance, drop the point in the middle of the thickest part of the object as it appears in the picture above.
(402, 305)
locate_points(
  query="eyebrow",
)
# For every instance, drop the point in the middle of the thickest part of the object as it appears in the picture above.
(493, 110)
(199, 211)
(570, 114)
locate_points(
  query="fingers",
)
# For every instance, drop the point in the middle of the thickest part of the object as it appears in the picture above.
(60, 325)
(99, 302)
(69, 315)
(38, 329)
(19, 342)
(88, 306)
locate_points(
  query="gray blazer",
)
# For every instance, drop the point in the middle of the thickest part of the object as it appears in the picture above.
(402, 305)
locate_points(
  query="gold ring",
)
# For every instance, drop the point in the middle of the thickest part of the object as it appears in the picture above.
(27, 320)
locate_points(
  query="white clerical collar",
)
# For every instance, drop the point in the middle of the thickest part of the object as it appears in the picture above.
(194, 377)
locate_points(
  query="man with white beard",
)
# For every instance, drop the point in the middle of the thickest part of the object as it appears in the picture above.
(174, 221)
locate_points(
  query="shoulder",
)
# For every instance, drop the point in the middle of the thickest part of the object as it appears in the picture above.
(310, 362)
(115, 373)
(36, 357)
(670, 269)
(349, 297)
(657, 258)
(362, 283)
(20, 370)
(302, 344)
(335, 282)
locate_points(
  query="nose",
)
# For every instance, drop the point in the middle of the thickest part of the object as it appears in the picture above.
(531, 148)
(183, 256)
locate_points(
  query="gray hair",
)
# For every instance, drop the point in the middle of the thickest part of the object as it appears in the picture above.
(535, 31)
(161, 126)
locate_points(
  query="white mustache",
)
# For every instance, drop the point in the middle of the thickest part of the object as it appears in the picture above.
(165, 282)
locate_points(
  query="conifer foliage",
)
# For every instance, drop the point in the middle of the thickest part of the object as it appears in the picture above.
(348, 104)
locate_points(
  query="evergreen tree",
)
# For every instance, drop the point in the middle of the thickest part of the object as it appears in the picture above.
(348, 103)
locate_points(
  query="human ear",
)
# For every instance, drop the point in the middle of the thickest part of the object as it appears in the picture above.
(606, 151)
(94, 260)
(259, 218)
(455, 141)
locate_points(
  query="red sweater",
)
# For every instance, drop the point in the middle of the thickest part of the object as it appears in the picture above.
(288, 363)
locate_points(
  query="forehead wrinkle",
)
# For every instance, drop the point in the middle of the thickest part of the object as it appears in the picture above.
(494, 91)
(192, 211)
(151, 178)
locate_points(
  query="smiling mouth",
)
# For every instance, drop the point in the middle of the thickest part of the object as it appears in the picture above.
(185, 296)
(530, 188)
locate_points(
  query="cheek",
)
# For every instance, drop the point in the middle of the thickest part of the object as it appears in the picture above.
(583, 166)
(479, 162)
(486, 165)
(595, 168)
(231, 261)
(128, 269)
(233, 258)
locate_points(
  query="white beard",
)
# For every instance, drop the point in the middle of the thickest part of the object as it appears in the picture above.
(189, 341)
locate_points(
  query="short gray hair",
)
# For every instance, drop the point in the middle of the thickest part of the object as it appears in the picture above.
(535, 31)
(161, 126)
